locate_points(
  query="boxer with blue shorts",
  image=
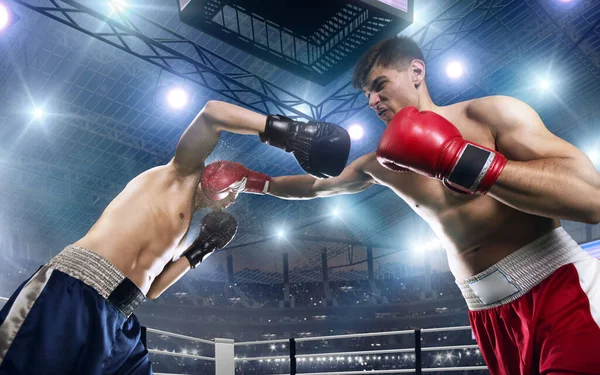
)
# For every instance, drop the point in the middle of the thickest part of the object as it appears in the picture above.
(75, 314)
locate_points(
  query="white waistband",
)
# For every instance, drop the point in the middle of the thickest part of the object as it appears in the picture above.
(519, 272)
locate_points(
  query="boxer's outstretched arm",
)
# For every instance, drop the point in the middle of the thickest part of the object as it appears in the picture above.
(352, 180)
(172, 272)
(200, 138)
(545, 175)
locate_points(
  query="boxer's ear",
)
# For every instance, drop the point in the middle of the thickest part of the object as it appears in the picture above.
(417, 71)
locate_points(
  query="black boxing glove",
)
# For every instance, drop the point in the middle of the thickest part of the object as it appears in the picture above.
(321, 148)
(216, 231)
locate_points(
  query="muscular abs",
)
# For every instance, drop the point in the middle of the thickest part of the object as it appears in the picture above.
(145, 225)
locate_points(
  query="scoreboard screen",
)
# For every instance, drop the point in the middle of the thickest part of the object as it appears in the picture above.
(398, 8)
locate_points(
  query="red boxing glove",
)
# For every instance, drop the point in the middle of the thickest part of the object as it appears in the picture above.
(223, 177)
(430, 145)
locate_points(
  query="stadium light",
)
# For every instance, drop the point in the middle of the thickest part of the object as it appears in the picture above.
(455, 69)
(356, 132)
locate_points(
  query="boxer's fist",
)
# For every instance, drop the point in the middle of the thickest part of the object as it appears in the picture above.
(321, 148)
(216, 231)
(224, 177)
(430, 145)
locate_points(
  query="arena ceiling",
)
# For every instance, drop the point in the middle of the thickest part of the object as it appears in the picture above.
(95, 77)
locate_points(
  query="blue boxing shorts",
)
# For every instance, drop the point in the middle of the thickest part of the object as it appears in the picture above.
(73, 316)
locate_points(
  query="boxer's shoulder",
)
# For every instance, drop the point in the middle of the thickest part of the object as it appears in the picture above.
(499, 112)
(365, 164)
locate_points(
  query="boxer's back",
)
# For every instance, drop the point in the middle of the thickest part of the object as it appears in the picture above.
(142, 227)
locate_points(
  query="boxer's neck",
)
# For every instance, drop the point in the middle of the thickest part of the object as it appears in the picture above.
(424, 102)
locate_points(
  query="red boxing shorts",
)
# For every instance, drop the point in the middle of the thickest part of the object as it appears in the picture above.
(537, 311)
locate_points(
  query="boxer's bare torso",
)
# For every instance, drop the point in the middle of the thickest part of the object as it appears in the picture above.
(144, 227)
(477, 230)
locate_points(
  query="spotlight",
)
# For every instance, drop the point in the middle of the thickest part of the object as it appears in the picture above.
(38, 113)
(177, 98)
(336, 212)
(170, 98)
(7, 17)
(356, 132)
(545, 84)
(427, 246)
(281, 233)
(118, 6)
(4, 17)
(273, 347)
(455, 69)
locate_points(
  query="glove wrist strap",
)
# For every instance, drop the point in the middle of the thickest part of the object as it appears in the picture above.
(258, 183)
(476, 170)
(276, 132)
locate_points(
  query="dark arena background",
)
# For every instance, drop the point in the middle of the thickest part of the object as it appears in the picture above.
(94, 92)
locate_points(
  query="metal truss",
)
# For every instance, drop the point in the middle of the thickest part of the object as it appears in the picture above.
(205, 67)
(455, 23)
(233, 82)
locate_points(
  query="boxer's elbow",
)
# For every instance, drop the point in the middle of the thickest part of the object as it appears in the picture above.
(209, 116)
(590, 214)
(153, 294)
(593, 217)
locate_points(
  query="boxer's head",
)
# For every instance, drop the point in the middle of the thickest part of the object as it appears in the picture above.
(201, 200)
(392, 76)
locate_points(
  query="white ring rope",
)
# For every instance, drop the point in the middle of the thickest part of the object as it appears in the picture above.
(355, 335)
(365, 352)
(159, 332)
(172, 354)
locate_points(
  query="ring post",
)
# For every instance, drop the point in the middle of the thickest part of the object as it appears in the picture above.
(292, 356)
(418, 362)
(224, 357)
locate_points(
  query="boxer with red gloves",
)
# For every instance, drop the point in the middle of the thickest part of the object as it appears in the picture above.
(493, 183)
(428, 144)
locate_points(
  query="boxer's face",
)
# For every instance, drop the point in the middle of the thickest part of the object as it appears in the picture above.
(224, 203)
(390, 89)
(202, 201)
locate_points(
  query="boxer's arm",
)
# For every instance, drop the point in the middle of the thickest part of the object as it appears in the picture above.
(352, 180)
(545, 175)
(200, 138)
(172, 272)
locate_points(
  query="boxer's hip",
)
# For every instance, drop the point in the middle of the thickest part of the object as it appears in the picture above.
(538, 309)
(74, 315)
(100, 274)
(518, 273)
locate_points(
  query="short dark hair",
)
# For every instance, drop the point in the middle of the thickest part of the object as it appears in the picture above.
(398, 52)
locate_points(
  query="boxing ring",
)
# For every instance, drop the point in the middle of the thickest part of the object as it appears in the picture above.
(225, 356)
